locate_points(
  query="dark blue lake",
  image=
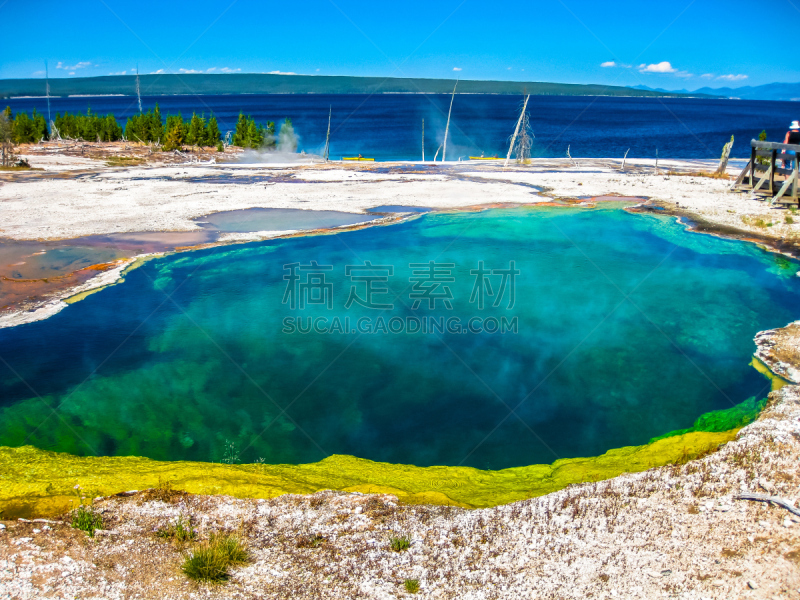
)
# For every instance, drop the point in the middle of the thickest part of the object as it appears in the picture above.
(389, 126)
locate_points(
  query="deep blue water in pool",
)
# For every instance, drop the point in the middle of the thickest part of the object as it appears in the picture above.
(627, 327)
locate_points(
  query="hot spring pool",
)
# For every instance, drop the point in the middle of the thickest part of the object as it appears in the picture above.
(622, 327)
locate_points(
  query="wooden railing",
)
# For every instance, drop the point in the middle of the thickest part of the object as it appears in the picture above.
(762, 175)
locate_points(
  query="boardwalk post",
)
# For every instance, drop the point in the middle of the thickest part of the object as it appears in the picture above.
(773, 166)
(752, 166)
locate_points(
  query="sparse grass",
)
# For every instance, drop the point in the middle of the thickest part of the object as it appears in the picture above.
(211, 560)
(230, 453)
(86, 519)
(788, 220)
(748, 220)
(375, 507)
(125, 161)
(401, 543)
(181, 530)
(317, 502)
(311, 541)
(164, 492)
(707, 174)
(411, 585)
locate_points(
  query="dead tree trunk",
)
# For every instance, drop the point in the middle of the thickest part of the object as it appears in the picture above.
(423, 140)
(328, 136)
(723, 161)
(447, 128)
(516, 131)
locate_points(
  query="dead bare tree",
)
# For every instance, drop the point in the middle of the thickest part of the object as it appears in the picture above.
(326, 152)
(776, 500)
(6, 141)
(55, 134)
(447, 128)
(138, 90)
(523, 152)
(569, 156)
(47, 92)
(723, 161)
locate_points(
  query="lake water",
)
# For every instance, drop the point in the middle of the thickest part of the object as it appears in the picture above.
(389, 126)
(622, 327)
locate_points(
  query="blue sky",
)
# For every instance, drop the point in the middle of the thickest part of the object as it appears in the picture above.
(684, 44)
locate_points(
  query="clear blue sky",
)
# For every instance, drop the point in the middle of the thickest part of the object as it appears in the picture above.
(674, 44)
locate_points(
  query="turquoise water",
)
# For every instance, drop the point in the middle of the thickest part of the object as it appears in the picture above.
(627, 327)
(279, 219)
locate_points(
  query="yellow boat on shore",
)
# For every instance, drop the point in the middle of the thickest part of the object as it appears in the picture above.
(484, 158)
(356, 158)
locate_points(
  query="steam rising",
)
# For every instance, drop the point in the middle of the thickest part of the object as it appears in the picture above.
(278, 149)
(287, 138)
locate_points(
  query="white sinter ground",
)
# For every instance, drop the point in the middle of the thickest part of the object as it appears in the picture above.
(671, 532)
(167, 198)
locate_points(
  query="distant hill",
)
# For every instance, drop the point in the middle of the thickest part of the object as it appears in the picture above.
(250, 83)
(663, 91)
(770, 91)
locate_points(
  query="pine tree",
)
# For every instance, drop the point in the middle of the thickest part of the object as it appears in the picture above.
(156, 126)
(255, 135)
(111, 129)
(269, 135)
(174, 140)
(212, 133)
(23, 129)
(240, 135)
(40, 131)
(195, 133)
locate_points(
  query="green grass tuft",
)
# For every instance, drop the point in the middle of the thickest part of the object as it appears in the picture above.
(181, 531)
(210, 561)
(85, 519)
(411, 585)
(401, 543)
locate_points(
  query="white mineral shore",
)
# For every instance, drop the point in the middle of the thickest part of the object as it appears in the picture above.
(167, 198)
(670, 532)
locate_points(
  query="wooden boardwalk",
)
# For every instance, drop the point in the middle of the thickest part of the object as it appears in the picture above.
(764, 177)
